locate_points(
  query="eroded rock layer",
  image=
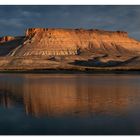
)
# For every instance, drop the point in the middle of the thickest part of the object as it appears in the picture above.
(42, 42)
(43, 48)
(6, 39)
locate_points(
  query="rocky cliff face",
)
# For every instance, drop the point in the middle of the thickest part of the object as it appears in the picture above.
(43, 42)
(93, 47)
(6, 39)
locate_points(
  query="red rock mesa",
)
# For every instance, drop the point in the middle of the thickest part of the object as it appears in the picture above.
(48, 47)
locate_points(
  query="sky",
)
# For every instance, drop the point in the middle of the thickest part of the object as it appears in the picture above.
(14, 20)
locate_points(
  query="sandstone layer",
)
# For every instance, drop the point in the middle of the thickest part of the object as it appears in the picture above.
(6, 39)
(43, 48)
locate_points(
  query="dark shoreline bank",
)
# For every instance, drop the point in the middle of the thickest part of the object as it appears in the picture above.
(73, 71)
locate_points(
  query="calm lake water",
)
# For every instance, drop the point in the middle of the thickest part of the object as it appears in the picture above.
(69, 104)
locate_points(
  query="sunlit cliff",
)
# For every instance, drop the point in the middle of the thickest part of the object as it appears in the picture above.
(78, 49)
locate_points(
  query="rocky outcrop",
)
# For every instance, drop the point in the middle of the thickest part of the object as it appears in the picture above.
(44, 42)
(6, 39)
(92, 47)
(9, 43)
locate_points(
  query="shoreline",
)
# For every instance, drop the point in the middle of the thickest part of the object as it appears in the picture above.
(73, 71)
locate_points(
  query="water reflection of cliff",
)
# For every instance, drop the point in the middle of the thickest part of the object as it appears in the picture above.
(66, 95)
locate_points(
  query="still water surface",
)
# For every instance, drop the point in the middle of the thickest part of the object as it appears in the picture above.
(69, 104)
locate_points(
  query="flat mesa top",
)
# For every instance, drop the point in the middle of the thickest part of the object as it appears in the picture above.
(75, 29)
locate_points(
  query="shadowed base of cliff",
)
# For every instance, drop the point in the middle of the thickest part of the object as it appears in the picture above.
(101, 63)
